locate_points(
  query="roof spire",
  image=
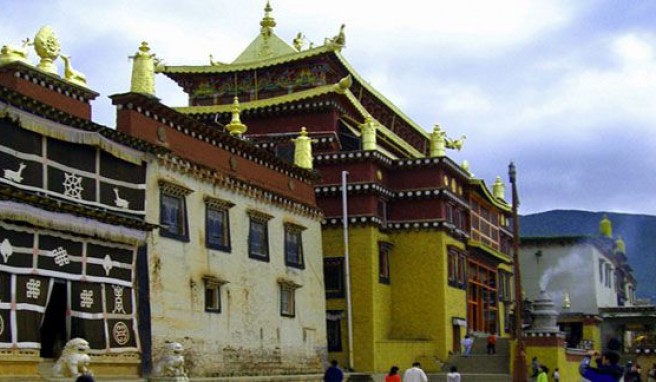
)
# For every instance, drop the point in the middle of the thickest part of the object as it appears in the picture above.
(236, 127)
(267, 22)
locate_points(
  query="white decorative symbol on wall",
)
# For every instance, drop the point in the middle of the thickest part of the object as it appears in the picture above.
(6, 249)
(61, 256)
(121, 333)
(107, 264)
(120, 202)
(73, 186)
(33, 289)
(118, 299)
(86, 298)
(15, 176)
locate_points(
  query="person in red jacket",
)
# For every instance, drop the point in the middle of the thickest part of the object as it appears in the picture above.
(492, 343)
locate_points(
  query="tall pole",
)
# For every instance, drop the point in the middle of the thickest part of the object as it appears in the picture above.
(347, 270)
(520, 372)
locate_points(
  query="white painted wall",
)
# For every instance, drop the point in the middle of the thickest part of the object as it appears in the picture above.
(571, 268)
(250, 323)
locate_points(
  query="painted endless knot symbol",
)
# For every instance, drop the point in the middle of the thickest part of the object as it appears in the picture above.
(86, 298)
(118, 299)
(72, 186)
(33, 289)
(121, 333)
(61, 256)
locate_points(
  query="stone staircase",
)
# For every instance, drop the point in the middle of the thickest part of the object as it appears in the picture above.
(479, 366)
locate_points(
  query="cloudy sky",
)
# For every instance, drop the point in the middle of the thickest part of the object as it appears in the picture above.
(566, 89)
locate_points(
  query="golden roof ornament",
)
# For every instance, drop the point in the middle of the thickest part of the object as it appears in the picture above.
(368, 129)
(567, 301)
(47, 47)
(143, 70)
(10, 53)
(236, 127)
(71, 75)
(465, 166)
(455, 144)
(344, 84)
(268, 22)
(499, 189)
(299, 41)
(338, 41)
(437, 142)
(303, 150)
(620, 246)
(606, 227)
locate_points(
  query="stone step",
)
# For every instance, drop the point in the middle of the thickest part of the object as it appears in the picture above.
(472, 377)
(479, 363)
(480, 346)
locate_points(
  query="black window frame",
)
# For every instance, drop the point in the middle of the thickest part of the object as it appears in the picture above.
(179, 193)
(336, 264)
(220, 206)
(334, 330)
(213, 286)
(287, 287)
(259, 219)
(294, 231)
(384, 276)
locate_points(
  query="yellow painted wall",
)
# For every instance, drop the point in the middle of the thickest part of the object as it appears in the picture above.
(593, 332)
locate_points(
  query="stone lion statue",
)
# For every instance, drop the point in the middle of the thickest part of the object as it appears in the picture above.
(74, 360)
(172, 362)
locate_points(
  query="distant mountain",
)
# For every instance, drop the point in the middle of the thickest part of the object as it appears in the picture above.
(637, 231)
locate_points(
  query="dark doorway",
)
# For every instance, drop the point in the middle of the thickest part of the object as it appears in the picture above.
(53, 329)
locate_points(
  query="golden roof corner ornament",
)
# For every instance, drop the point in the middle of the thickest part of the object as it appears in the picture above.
(437, 142)
(215, 63)
(368, 129)
(344, 84)
(268, 22)
(143, 70)
(236, 127)
(338, 41)
(303, 150)
(466, 167)
(47, 48)
(71, 75)
(455, 144)
(499, 189)
(299, 41)
(10, 53)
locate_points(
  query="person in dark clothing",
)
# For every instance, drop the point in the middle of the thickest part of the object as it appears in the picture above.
(607, 369)
(333, 373)
(633, 372)
(85, 378)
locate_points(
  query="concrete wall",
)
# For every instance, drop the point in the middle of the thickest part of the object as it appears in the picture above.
(249, 335)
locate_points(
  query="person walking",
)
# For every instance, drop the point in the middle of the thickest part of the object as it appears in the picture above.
(393, 375)
(651, 374)
(415, 374)
(633, 373)
(535, 368)
(607, 369)
(543, 374)
(333, 373)
(556, 375)
(468, 342)
(453, 375)
(492, 343)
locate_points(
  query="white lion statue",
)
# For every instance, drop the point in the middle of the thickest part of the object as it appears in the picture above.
(74, 360)
(172, 363)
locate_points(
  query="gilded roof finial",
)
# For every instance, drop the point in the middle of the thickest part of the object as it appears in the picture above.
(620, 246)
(606, 227)
(303, 150)
(455, 144)
(339, 40)
(499, 189)
(465, 166)
(368, 129)
(567, 301)
(344, 84)
(143, 71)
(11, 53)
(267, 22)
(299, 41)
(437, 142)
(236, 127)
(47, 47)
